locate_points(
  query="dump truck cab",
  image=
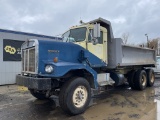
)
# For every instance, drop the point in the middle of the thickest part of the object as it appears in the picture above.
(84, 36)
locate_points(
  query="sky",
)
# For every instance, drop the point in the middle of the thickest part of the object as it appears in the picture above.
(54, 17)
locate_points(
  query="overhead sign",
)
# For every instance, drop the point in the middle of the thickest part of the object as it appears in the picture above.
(12, 50)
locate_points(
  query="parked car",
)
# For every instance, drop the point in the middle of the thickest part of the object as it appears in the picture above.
(157, 68)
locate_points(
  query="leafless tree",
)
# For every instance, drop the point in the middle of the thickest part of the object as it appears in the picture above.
(125, 37)
(154, 43)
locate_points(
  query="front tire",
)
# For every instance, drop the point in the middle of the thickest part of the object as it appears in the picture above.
(75, 96)
(38, 95)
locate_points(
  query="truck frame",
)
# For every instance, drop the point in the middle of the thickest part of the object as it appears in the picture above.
(89, 58)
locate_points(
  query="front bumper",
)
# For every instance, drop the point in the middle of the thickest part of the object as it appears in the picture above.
(34, 83)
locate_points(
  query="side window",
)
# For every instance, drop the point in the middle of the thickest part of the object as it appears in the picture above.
(89, 35)
(100, 39)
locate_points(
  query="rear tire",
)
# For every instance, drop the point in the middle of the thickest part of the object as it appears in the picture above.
(38, 95)
(140, 80)
(150, 77)
(75, 96)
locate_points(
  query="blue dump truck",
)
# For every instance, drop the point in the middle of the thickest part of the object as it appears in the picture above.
(89, 58)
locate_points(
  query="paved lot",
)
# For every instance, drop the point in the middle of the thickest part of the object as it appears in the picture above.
(118, 104)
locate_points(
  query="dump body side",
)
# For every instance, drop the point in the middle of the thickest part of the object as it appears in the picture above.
(124, 55)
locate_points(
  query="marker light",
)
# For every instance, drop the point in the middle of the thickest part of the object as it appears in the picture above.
(55, 59)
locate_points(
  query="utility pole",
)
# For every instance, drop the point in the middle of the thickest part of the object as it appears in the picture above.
(147, 39)
(158, 47)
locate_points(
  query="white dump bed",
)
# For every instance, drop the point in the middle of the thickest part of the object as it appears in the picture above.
(125, 55)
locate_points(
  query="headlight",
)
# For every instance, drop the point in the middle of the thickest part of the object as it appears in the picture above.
(49, 69)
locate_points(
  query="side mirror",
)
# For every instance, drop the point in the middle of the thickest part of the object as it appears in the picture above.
(96, 30)
(95, 41)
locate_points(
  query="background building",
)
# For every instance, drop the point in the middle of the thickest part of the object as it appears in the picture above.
(10, 58)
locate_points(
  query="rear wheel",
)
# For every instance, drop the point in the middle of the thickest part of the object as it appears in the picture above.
(140, 80)
(150, 77)
(38, 94)
(75, 96)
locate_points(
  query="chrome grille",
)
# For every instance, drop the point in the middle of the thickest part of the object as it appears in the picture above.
(28, 60)
(32, 60)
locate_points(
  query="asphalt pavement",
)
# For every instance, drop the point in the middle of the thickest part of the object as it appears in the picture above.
(121, 103)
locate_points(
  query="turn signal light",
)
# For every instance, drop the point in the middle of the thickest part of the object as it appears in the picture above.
(55, 60)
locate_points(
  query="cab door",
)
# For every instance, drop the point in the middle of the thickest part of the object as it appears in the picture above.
(99, 49)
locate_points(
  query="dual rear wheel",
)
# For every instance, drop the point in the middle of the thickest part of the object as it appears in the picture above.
(140, 79)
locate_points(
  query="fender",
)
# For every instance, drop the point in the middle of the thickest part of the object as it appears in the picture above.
(61, 68)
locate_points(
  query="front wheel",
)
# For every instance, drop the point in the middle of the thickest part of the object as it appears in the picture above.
(75, 96)
(39, 95)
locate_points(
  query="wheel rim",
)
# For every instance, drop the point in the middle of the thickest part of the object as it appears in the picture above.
(152, 78)
(144, 80)
(80, 95)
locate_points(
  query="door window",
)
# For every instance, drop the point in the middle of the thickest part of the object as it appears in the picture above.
(100, 39)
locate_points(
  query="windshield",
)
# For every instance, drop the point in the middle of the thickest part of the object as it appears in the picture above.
(75, 35)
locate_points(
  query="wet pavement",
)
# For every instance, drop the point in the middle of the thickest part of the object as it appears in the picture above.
(121, 103)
